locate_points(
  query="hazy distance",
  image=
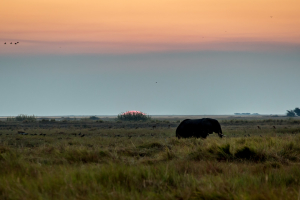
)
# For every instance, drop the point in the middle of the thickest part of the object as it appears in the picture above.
(182, 83)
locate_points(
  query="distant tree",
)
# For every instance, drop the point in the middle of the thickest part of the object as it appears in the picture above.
(133, 116)
(290, 113)
(297, 111)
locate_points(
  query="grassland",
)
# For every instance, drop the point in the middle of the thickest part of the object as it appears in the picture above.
(116, 160)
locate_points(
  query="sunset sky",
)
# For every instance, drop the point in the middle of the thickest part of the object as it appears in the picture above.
(219, 56)
(132, 26)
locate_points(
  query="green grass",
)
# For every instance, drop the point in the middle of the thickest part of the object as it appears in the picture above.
(130, 163)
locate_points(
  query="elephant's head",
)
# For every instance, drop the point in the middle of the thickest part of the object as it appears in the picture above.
(218, 130)
(215, 127)
(220, 134)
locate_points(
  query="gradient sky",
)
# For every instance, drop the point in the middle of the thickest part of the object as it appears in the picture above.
(99, 57)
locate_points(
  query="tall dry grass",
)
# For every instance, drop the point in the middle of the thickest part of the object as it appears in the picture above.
(150, 164)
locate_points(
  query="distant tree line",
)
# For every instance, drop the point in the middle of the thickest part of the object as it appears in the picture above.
(246, 114)
(22, 118)
(293, 113)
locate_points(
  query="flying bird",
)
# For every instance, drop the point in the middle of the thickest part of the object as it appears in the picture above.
(4, 42)
(11, 43)
(15, 43)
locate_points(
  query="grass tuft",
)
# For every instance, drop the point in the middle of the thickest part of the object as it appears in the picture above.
(246, 153)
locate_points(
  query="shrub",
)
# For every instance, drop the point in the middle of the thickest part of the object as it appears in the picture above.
(94, 118)
(247, 153)
(133, 116)
(297, 111)
(290, 113)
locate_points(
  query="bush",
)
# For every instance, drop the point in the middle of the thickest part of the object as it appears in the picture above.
(297, 111)
(45, 120)
(247, 153)
(94, 118)
(290, 113)
(133, 116)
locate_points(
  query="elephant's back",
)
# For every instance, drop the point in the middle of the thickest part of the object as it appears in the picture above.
(182, 125)
(185, 129)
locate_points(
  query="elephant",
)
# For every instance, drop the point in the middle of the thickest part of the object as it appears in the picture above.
(199, 128)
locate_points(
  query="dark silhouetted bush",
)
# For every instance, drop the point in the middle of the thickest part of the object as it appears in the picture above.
(246, 153)
(290, 113)
(133, 116)
(94, 118)
(297, 111)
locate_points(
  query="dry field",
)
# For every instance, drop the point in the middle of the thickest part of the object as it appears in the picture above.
(85, 159)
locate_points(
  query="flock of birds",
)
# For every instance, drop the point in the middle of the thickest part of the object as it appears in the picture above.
(60, 47)
(12, 43)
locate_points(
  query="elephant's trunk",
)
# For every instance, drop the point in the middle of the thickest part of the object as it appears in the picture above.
(221, 134)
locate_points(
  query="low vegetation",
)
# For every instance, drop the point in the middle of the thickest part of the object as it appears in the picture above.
(112, 160)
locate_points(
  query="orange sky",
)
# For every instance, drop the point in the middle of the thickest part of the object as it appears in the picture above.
(134, 25)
